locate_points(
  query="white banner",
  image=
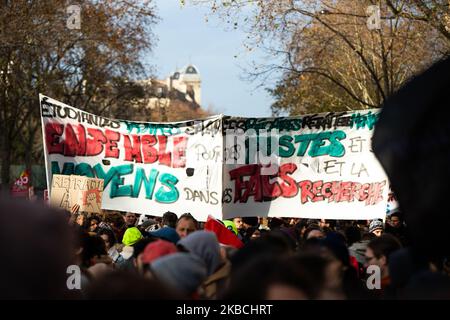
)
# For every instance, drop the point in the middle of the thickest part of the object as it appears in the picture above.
(147, 167)
(322, 166)
(313, 166)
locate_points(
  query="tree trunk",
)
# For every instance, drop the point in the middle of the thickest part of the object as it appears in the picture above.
(6, 162)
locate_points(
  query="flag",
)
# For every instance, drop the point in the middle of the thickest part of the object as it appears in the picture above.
(224, 235)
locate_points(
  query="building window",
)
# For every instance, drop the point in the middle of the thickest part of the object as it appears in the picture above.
(191, 70)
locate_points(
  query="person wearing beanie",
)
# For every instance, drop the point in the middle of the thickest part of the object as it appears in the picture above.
(156, 250)
(166, 233)
(131, 236)
(231, 226)
(376, 228)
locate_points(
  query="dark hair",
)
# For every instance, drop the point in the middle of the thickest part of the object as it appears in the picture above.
(111, 237)
(256, 277)
(353, 234)
(397, 214)
(139, 246)
(251, 221)
(93, 246)
(275, 223)
(92, 218)
(384, 245)
(310, 228)
(119, 285)
(169, 219)
(86, 221)
(36, 243)
(267, 244)
(187, 215)
(115, 219)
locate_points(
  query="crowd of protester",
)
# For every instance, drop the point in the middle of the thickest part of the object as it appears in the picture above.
(124, 256)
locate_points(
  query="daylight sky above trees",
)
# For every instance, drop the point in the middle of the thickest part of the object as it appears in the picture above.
(185, 36)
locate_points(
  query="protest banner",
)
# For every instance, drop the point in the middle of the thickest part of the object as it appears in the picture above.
(68, 190)
(320, 166)
(147, 167)
(86, 192)
(60, 192)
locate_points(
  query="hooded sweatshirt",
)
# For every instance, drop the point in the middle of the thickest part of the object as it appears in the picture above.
(181, 271)
(204, 244)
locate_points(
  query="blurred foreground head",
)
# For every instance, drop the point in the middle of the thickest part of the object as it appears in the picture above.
(412, 142)
(35, 242)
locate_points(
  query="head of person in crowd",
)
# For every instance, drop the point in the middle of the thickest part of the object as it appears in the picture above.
(94, 223)
(276, 223)
(204, 244)
(249, 226)
(108, 237)
(169, 219)
(83, 221)
(353, 234)
(376, 227)
(35, 242)
(270, 277)
(123, 285)
(250, 222)
(288, 234)
(131, 236)
(149, 225)
(90, 250)
(130, 219)
(324, 223)
(396, 220)
(268, 244)
(117, 223)
(344, 268)
(300, 228)
(323, 273)
(166, 233)
(231, 226)
(378, 252)
(155, 250)
(238, 222)
(186, 224)
(313, 231)
(182, 272)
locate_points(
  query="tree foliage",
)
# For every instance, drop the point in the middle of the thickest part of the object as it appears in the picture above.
(331, 60)
(92, 68)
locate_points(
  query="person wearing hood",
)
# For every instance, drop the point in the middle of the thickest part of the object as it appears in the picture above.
(181, 271)
(205, 245)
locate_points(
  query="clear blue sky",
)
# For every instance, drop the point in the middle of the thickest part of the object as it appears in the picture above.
(185, 37)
